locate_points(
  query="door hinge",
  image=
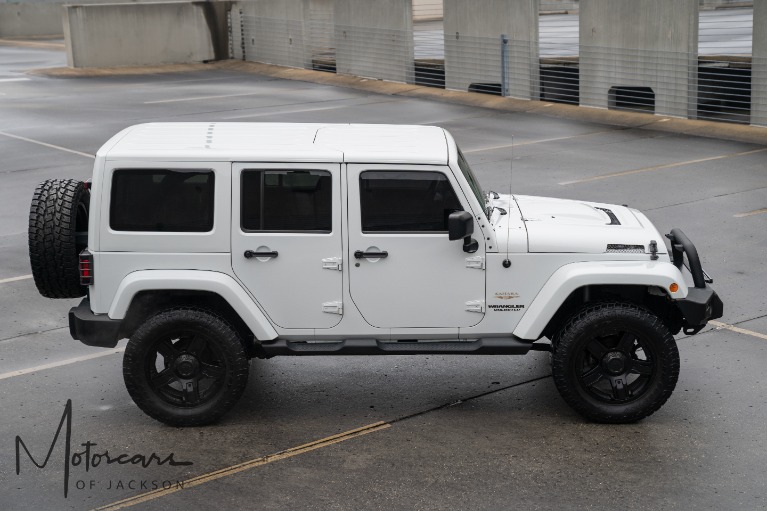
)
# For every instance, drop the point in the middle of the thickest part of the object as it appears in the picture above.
(476, 306)
(332, 263)
(333, 307)
(477, 262)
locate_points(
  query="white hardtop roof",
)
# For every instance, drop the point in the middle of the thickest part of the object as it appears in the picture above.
(279, 142)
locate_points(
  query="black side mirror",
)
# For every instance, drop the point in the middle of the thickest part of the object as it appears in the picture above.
(460, 224)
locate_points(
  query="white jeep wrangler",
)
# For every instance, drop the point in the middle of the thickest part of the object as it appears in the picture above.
(207, 244)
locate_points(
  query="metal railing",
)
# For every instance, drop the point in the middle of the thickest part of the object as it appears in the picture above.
(719, 82)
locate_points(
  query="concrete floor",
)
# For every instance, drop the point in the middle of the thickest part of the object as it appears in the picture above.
(456, 432)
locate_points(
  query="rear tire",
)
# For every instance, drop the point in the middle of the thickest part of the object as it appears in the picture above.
(185, 367)
(615, 362)
(58, 232)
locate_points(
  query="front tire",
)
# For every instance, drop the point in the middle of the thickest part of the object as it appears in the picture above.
(615, 362)
(185, 367)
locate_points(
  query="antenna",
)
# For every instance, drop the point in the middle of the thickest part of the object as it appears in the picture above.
(507, 262)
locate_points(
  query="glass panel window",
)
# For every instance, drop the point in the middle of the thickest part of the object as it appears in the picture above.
(405, 201)
(286, 200)
(162, 200)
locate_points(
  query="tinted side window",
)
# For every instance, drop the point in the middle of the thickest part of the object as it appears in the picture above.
(396, 201)
(162, 200)
(286, 200)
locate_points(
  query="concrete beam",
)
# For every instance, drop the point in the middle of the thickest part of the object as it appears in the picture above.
(473, 45)
(640, 43)
(759, 65)
(30, 19)
(427, 10)
(374, 39)
(133, 34)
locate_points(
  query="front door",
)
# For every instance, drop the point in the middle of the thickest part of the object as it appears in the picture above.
(407, 273)
(286, 240)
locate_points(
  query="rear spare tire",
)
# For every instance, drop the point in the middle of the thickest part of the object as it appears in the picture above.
(58, 232)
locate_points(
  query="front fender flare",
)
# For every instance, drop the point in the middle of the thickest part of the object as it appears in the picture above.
(570, 277)
(193, 280)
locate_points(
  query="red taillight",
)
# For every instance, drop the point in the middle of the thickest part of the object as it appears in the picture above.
(86, 268)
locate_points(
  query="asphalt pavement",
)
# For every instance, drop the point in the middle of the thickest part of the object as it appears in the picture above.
(422, 432)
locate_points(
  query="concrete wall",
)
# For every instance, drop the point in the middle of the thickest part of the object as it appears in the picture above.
(645, 43)
(473, 47)
(374, 39)
(30, 19)
(113, 35)
(275, 32)
(759, 65)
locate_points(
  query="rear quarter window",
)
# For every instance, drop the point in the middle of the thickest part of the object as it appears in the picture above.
(162, 200)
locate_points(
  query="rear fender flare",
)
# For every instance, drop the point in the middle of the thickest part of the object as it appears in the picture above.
(193, 280)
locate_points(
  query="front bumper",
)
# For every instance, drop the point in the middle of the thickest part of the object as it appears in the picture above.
(700, 306)
(702, 303)
(93, 329)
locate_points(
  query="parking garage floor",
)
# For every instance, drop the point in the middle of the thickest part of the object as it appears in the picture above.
(425, 432)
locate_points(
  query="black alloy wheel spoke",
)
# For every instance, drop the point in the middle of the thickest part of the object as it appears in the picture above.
(212, 371)
(167, 350)
(196, 345)
(641, 367)
(597, 349)
(163, 378)
(619, 388)
(592, 376)
(191, 391)
(626, 342)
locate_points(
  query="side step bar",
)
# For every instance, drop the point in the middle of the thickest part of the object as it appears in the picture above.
(489, 346)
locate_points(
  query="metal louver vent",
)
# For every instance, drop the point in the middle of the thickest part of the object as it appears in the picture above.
(625, 249)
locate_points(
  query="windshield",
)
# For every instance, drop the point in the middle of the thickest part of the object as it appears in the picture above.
(469, 175)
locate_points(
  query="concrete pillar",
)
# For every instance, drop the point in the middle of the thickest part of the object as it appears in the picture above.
(473, 46)
(374, 38)
(640, 43)
(30, 19)
(274, 32)
(759, 65)
(112, 35)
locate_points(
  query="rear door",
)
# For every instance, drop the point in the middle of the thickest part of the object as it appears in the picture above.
(286, 240)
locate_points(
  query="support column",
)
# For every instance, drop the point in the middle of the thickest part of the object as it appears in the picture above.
(759, 65)
(473, 45)
(374, 39)
(640, 43)
(274, 32)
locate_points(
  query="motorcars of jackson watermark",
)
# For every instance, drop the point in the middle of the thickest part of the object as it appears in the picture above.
(82, 462)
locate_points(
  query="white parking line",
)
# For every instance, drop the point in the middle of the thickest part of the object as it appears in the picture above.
(15, 279)
(751, 213)
(45, 144)
(540, 141)
(60, 363)
(14, 79)
(660, 167)
(733, 328)
(197, 98)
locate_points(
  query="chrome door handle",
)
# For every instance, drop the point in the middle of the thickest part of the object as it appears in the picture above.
(359, 254)
(249, 254)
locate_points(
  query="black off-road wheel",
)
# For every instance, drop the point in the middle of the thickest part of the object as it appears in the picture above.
(185, 367)
(615, 362)
(58, 232)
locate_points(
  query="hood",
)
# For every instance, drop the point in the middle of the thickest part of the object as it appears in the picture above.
(560, 225)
